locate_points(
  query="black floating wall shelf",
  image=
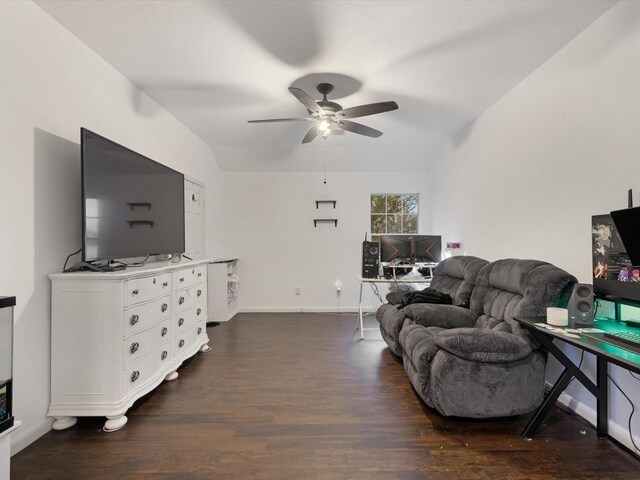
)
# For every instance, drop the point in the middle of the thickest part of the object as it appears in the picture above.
(133, 205)
(325, 220)
(318, 202)
(133, 223)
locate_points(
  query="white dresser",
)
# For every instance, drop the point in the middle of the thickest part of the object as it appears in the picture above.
(116, 336)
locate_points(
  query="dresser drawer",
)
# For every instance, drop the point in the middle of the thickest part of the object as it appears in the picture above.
(188, 277)
(140, 317)
(186, 339)
(201, 328)
(187, 298)
(142, 343)
(140, 290)
(138, 373)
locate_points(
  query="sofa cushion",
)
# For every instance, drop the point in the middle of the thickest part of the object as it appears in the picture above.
(444, 316)
(483, 345)
(510, 287)
(396, 297)
(456, 276)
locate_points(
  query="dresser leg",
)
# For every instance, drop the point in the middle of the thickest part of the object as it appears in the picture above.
(115, 423)
(171, 376)
(62, 423)
(205, 348)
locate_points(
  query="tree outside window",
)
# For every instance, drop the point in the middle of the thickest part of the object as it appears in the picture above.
(394, 213)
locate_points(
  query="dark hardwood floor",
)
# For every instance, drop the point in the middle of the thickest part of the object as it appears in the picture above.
(298, 396)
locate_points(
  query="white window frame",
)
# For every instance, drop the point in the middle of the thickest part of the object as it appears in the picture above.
(387, 214)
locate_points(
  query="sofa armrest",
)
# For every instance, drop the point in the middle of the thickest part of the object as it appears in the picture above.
(485, 346)
(396, 297)
(439, 315)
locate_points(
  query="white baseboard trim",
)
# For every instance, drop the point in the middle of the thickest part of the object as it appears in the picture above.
(367, 310)
(21, 438)
(617, 431)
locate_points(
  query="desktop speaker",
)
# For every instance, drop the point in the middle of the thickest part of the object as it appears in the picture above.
(370, 259)
(581, 304)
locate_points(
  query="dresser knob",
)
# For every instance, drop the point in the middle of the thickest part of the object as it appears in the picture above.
(198, 311)
(164, 331)
(134, 348)
(180, 300)
(135, 376)
(181, 343)
(165, 284)
(180, 322)
(200, 274)
(181, 279)
(135, 292)
(199, 292)
(164, 354)
(193, 197)
(133, 320)
(199, 330)
(164, 307)
(154, 281)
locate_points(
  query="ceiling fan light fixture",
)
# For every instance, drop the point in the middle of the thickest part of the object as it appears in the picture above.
(324, 127)
(329, 117)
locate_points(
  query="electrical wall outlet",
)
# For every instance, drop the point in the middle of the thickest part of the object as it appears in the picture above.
(298, 290)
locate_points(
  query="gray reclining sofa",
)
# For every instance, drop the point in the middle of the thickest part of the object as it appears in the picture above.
(477, 362)
(456, 277)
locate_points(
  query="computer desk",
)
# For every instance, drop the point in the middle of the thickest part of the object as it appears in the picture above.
(605, 353)
(400, 280)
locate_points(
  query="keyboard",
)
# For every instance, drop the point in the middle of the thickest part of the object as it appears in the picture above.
(624, 337)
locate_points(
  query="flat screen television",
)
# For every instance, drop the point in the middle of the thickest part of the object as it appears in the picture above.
(132, 206)
(419, 248)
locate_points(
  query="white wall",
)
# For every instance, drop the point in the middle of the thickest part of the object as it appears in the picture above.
(52, 84)
(563, 145)
(268, 220)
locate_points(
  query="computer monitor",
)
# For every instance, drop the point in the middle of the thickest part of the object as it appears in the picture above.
(395, 247)
(427, 248)
(410, 248)
(627, 224)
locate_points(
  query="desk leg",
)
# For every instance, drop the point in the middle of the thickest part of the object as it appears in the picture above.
(562, 382)
(602, 399)
(360, 325)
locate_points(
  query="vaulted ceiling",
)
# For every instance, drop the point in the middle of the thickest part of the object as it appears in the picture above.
(215, 65)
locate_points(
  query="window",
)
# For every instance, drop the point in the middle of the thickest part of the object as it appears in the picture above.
(394, 213)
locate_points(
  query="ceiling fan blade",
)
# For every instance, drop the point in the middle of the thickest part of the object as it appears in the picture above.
(269, 120)
(369, 109)
(358, 128)
(311, 134)
(306, 100)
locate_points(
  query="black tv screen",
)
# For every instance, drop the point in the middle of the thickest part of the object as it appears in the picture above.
(627, 224)
(132, 206)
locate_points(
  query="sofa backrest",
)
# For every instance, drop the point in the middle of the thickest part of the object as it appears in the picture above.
(510, 288)
(456, 276)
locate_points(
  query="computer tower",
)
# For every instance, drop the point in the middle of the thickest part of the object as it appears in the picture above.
(370, 259)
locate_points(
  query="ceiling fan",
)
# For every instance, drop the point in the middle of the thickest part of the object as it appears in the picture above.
(330, 117)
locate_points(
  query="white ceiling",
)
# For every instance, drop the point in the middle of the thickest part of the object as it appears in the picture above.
(216, 64)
